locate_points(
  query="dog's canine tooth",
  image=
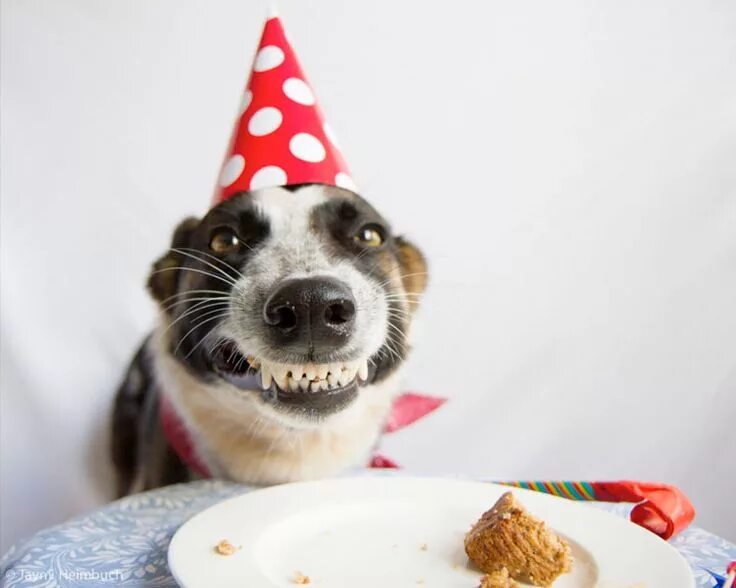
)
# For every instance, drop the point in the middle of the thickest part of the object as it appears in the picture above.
(280, 374)
(345, 377)
(363, 370)
(266, 377)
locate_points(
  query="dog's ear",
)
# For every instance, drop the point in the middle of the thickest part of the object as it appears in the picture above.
(163, 280)
(413, 269)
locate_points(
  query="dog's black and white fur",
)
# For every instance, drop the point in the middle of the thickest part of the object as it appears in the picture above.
(284, 315)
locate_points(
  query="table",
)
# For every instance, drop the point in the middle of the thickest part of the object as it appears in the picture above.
(124, 543)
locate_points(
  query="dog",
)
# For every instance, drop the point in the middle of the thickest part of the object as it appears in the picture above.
(284, 316)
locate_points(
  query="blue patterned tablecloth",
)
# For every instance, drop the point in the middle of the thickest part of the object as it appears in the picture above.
(125, 542)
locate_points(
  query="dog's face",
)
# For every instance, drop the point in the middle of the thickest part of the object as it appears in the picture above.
(296, 296)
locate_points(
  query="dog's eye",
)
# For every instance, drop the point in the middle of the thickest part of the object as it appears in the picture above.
(224, 241)
(370, 236)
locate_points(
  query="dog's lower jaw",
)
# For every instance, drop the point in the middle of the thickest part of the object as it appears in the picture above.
(236, 440)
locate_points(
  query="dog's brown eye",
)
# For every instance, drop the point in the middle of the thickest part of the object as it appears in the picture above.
(370, 236)
(224, 241)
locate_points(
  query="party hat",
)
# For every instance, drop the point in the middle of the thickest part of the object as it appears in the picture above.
(281, 137)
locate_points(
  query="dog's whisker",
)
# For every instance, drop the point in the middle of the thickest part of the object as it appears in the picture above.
(215, 258)
(199, 324)
(197, 299)
(187, 251)
(199, 307)
(403, 295)
(400, 313)
(192, 293)
(403, 310)
(219, 343)
(194, 270)
(396, 329)
(400, 277)
(388, 344)
(204, 338)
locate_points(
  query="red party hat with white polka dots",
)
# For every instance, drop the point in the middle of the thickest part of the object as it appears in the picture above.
(280, 137)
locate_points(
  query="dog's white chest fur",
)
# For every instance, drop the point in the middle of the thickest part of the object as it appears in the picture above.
(236, 440)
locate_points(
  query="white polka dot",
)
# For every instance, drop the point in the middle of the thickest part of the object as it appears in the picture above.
(245, 101)
(264, 121)
(268, 58)
(299, 91)
(307, 147)
(330, 134)
(343, 180)
(271, 175)
(231, 170)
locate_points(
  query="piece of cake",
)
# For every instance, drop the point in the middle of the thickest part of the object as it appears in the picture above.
(500, 579)
(507, 536)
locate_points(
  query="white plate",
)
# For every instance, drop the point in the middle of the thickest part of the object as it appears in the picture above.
(368, 532)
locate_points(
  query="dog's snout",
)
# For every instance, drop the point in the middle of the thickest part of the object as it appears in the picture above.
(315, 312)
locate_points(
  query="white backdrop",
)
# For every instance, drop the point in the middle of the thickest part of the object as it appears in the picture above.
(568, 169)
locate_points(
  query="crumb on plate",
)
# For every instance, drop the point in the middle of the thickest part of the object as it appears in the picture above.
(499, 579)
(424, 547)
(300, 578)
(224, 547)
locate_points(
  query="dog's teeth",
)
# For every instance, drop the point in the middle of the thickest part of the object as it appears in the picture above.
(345, 377)
(266, 378)
(311, 377)
(363, 370)
(280, 374)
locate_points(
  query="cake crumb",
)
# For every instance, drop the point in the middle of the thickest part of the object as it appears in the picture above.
(424, 547)
(300, 578)
(499, 579)
(224, 547)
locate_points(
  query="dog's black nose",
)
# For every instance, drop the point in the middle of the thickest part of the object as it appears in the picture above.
(317, 313)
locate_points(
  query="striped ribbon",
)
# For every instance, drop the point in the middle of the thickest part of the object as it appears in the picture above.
(661, 508)
(567, 489)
